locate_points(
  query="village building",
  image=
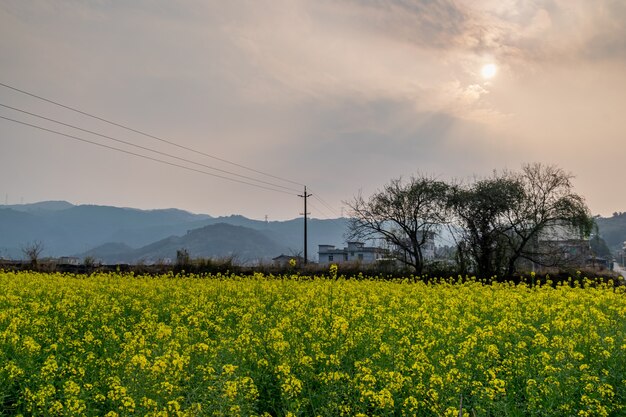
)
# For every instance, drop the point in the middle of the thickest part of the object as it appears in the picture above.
(354, 252)
(559, 246)
(428, 247)
(283, 260)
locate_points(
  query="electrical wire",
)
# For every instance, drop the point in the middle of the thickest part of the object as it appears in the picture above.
(321, 212)
(146, 148)
(140, 155)
(169, 142)
(325, 204)
(84, 113)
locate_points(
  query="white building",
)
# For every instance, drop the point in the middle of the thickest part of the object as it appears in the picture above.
(560, 245)
(68, 260)
(283, 260)
(354, 252)
(428, 247)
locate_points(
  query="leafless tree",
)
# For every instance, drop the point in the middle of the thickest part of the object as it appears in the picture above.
(182, 258)
(550, 212)
(405, 214)
(32, 251)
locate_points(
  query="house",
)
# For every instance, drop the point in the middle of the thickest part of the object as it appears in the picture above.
(562, 246)
(600, 263)
(354, 252)
(283, 260)
(428, 247)
(68, 260)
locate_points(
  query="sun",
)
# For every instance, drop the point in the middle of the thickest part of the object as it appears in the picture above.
(488, 71)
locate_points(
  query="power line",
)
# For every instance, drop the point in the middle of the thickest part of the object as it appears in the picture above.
(332, 210)
(323, 213)
(147, 148)
(147, 134)
(325, 204)
(141, 156)
(102, 119)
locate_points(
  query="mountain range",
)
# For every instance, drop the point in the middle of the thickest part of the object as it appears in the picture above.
(128, 235)
(613, 230)
(115, 234)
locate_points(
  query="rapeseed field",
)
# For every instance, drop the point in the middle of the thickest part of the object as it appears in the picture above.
(121, 345)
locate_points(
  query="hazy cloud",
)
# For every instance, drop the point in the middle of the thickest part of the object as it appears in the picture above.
(339, 94)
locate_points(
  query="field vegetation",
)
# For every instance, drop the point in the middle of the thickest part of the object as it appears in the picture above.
(119, 344)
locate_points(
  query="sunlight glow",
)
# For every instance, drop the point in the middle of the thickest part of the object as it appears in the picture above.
(488, 71)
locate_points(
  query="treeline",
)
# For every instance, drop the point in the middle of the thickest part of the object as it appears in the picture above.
(509, 221)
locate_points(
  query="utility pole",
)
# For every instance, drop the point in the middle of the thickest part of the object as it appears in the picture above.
(305, 196)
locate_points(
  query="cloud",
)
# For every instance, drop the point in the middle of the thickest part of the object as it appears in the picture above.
(549, 31)
(326, 51)
(340, 93)
(429, 24)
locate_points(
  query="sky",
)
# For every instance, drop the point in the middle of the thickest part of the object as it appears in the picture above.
(339, 95)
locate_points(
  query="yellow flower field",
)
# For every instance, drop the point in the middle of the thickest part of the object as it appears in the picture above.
(116, 345)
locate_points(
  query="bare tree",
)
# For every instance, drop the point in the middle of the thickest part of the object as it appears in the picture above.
(89, 261)
(405, 214)
(550, 212)
(183, 259)
(32, 251)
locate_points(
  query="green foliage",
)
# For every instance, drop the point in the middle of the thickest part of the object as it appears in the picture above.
(531, 216)
(485, 209)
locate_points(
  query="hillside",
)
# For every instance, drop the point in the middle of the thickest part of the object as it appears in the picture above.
(66, 229)
(217, 241)
(41, 206)
(111, 253)
(613, 230)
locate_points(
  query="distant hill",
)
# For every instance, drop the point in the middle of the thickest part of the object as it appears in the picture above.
(289, 233)
(112, 253)
(41, 206)
(217, 241)
(66, 229)
(18, 228)
(110, 232)
(613, 230)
